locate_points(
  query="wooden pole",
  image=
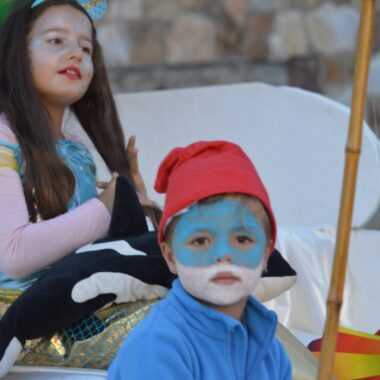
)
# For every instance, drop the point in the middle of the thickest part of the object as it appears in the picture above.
(353, 148)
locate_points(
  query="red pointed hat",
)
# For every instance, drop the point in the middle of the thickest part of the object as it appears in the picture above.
(203, 169)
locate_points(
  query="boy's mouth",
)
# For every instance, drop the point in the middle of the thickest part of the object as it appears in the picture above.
(225, 278)
(71, 72)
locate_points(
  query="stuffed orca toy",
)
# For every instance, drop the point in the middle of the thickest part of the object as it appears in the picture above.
(126, 266)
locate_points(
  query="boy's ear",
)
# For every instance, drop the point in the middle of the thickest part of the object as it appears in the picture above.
(168, 254)
(268, 252)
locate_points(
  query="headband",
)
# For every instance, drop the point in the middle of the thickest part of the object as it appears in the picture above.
(95, 8)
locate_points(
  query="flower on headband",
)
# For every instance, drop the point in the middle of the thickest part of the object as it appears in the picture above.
(95, 8)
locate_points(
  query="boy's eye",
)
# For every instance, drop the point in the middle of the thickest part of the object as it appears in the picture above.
(244, 240)
(199, 241)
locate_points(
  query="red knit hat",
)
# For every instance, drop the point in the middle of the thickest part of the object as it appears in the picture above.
(203, 169)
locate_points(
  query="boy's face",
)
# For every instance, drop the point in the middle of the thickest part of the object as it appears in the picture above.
(218, 251)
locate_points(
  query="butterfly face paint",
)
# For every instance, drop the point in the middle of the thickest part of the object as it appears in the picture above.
(226, 229)
(60, 53)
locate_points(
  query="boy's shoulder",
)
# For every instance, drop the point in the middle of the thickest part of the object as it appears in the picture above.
(163, 330)
(258, 315)
(164, 318)
(263, 325)
(277, 361)
(156, 348)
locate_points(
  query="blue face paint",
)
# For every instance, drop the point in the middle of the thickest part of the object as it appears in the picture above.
(227, 228)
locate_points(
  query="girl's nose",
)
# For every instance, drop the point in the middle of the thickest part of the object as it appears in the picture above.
(75, 53)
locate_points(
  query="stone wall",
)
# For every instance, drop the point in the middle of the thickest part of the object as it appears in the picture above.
(157, 44)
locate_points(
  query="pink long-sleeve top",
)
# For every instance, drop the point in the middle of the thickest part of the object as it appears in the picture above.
(26, 248)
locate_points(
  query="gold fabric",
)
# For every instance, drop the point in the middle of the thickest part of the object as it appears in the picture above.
(90, 343)
(7, 160)
(92, 3)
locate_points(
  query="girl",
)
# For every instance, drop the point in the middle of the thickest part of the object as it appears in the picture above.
(51, 62)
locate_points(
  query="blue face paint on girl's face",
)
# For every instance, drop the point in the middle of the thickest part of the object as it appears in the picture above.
(226, 229)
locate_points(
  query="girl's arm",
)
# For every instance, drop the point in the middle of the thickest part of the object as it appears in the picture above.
(26, 248)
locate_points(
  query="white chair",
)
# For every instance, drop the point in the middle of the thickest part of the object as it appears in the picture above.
(296, 140)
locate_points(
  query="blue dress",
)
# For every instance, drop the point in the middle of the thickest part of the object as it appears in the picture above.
(79, 160)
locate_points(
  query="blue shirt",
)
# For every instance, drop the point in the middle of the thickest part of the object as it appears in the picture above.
(182, 339)
(79, 160)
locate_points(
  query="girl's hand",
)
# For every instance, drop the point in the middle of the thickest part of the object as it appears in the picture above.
(137, 179)
(108, 195)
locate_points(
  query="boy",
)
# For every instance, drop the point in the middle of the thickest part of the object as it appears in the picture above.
(216, 233)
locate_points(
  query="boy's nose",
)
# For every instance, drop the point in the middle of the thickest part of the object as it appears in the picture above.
(224, 259)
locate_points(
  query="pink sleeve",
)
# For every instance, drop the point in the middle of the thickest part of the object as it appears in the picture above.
(26, 248)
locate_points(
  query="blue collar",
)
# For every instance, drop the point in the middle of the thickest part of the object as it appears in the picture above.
(261, 323)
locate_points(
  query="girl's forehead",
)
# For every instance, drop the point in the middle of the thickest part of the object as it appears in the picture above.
(63, 17)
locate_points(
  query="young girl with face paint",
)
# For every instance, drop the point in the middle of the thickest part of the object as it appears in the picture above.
(51, 62)
(216, 233)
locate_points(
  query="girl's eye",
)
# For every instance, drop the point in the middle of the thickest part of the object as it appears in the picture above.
(55, 41)
(86, 49)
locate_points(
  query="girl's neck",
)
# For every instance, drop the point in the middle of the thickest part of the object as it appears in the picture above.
(56, 116)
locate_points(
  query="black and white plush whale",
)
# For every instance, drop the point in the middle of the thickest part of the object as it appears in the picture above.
(126, 266)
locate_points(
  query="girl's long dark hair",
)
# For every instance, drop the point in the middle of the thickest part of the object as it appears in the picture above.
(48, 183)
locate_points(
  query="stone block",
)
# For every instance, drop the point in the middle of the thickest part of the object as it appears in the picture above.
(376, 37)
(236, 10)
(230, 40)
(288, 38)
(333, 29)
(374, 76)
(148, 52)
(304, 73)
(342, 93)
(373, 114)
(165, 10)
(148, 45)
(192, 39)
(115, 42)
(192, 5)
(258, 29)
(258, 6)
(259, 51)
(259, 25)
(158, 77)
(125, 9)
(307, 4)
(333, 71)
(339, 68)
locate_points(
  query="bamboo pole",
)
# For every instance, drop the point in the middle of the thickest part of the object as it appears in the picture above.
(353, 149)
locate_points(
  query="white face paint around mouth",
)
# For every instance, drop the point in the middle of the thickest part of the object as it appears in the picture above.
(235, 282)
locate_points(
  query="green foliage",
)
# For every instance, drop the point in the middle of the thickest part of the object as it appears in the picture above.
(6, 7)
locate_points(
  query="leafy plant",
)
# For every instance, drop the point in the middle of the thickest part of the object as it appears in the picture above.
(6, 7)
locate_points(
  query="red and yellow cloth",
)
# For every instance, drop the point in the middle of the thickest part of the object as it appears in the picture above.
(357, 355)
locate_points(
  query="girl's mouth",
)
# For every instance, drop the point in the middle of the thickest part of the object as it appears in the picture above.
(71, 72)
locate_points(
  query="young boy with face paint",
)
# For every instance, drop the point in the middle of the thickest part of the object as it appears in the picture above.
(216, 233)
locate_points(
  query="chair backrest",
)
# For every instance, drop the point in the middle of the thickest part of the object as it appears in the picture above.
(295, 138)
